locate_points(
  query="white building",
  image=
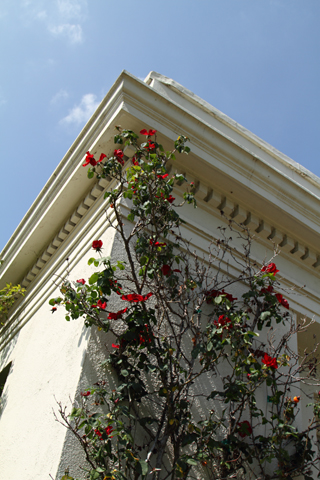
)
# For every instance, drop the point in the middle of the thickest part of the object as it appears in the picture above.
(233, 170)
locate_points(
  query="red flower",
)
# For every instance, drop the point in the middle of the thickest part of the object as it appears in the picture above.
(97, 244)
(170, 198)
(90, 159)
(269, 361)
(270, 268)
(163, 176)
(268, 289)
(216, 293)
(116, 316)
(244, 428)
(109, 430)
(135, 297)
(102, 305)
(135, 161)
(157, 244)
(148, 134)
(144, 336)
(282, 300)
(85, 394)
(102, 156)
(53, 309)
(166, 269)
(223, 321)
(115, 346)
(150, 146)
(98, 433)
(118, 153)
(82, 280)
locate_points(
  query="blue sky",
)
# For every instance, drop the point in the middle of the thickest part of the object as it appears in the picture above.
(255, 60)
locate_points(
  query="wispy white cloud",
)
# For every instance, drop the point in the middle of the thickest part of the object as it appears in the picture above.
(42, 15)
(59, 97)
(72, 32)
(62, 18)
(79, 114)
(71, 8)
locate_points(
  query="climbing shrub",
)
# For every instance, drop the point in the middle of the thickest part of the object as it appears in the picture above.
(207, 383)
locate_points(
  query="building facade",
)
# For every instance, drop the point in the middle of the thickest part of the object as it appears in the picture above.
(43, 357)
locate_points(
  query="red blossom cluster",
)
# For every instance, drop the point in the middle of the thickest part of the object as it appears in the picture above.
(135, 297)
(145, 337)
(118, 153)
(91, 160)
(223, 321)
(150, 146)
(245, 428)
(268, 289)
(97, 245)
(82, 281)
(217, 293)
(166, 270)
(269, 361)
(148, 133)
(108, 430)
(53, 309)
(282, 300)
(170, 199)
(117, 315)
(270, 268)
(85, 394)
(163, 176)
(100, 304)
(157, 244)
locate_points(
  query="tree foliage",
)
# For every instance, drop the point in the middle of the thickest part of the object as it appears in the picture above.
(8, 295)
(192, 362)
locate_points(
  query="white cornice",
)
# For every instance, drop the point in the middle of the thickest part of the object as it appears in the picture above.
(234, 170)
(155, 79)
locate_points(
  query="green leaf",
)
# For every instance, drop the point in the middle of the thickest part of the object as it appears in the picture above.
(254, 334)
(192, 461)
(195, 352)
(144, 260)
(94, 278)
(265, 315)
(189, 438)
(144, 467)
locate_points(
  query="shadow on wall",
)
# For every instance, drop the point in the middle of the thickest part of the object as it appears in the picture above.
(72, 454)
(3, 394)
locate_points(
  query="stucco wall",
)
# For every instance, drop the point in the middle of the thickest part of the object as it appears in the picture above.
(48, 359)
